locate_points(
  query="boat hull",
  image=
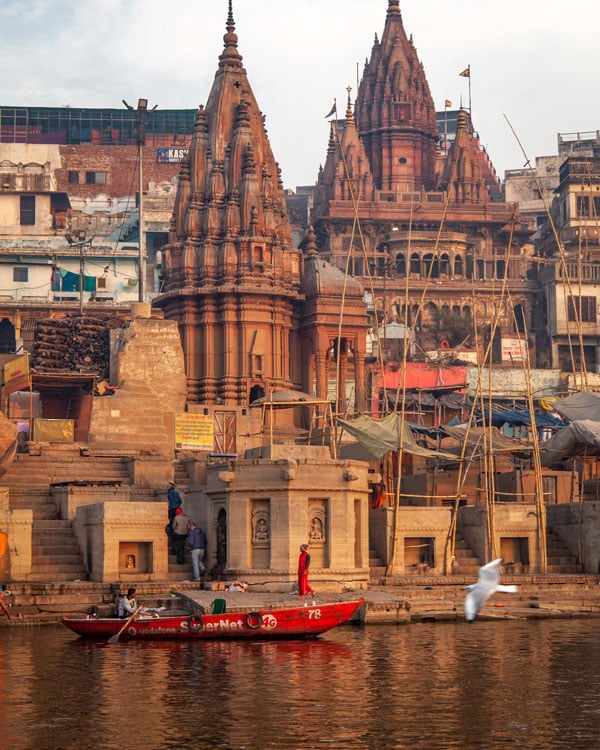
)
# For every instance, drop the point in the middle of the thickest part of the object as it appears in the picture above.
(291, 622)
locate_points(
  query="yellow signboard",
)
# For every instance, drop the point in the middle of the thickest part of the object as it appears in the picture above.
(194, 432)
(16, 374)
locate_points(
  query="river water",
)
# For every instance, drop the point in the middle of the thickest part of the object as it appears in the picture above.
(499, 684)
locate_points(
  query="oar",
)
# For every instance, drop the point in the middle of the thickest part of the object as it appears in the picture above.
(115, 638)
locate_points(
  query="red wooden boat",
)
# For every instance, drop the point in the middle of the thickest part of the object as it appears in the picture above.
(285, 622)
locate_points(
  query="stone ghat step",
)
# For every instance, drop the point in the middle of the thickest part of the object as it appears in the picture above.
(65, 558)
(564, 568)
(39, 481)
(41, 551)
(51, 528)
(42, 577)
(45, 512)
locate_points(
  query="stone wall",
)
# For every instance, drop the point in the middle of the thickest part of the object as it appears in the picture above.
(148, 368)
(510, 522)
(421, 535)
(273, 505)
(15, 528)
(123, 541)
(578, 526)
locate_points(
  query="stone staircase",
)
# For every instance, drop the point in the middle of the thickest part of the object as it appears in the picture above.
(466, 561)
(55, 553)
(376, 565)
(560, 560)
(39, 472)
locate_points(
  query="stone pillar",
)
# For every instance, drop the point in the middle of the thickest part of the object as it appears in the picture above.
(359, 381)
(341, 385)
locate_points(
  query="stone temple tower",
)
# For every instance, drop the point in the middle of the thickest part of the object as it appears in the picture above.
(232, 278)
(395, 112)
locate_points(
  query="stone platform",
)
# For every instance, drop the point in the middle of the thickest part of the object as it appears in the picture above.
(403, 602)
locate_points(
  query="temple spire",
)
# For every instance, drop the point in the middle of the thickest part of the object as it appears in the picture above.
(230, 38)
(394, 8)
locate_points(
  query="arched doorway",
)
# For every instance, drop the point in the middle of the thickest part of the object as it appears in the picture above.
(256, 392)
(222, 539)
(7, 337)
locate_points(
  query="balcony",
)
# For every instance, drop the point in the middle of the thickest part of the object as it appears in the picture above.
(22, 182)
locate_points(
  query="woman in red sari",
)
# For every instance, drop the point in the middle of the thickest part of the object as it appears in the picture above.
(304, 587)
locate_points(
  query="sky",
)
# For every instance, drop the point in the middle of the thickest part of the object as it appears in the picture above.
(534, 67)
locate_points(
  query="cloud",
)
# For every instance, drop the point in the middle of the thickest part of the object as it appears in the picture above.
(532, 61)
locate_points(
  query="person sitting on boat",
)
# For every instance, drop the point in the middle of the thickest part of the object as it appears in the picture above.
(127, 604)
(4, 592)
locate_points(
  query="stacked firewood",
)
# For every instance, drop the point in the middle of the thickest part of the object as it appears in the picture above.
(77, 343)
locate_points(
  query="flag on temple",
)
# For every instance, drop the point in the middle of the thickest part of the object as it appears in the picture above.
(466, 73)
(333, 110)
(447, 103)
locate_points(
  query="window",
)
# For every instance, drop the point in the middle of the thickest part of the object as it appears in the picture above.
(21, 273)
(95, 178)
(583, 205)
(582, 308)
(27, 210)
(73, 177)
(101, 282)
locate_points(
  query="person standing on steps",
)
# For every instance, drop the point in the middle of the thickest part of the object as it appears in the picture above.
(181, 527)
(174, 500)
(198, 544)
(304, 586)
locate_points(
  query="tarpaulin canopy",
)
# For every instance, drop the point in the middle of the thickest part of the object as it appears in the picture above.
(287, 398)
(428, 398)
(576, 439)
(379, 436)
(489, 437)
(518, 416)
(582, 405)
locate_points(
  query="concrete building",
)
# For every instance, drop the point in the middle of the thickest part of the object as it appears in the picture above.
(69, 210)
(569, 330)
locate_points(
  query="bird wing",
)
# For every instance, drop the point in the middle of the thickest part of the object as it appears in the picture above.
(473, 602)
(511, 589)
(490, 573)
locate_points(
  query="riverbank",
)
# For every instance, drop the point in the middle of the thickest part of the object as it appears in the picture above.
(401, 600)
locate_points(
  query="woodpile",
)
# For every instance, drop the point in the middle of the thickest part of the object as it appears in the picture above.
(77, 343)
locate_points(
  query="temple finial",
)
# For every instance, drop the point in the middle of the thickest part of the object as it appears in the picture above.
(349, 113)
(230, 38)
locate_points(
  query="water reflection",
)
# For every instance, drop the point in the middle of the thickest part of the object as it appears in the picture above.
(487, 685)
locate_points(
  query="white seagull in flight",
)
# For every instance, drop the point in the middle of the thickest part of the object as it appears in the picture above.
(488, 584)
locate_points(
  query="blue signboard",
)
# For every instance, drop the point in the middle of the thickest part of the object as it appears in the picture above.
(171, 155)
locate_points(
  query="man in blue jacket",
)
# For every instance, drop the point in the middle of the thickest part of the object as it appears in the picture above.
(174, 499)
(197, 542)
